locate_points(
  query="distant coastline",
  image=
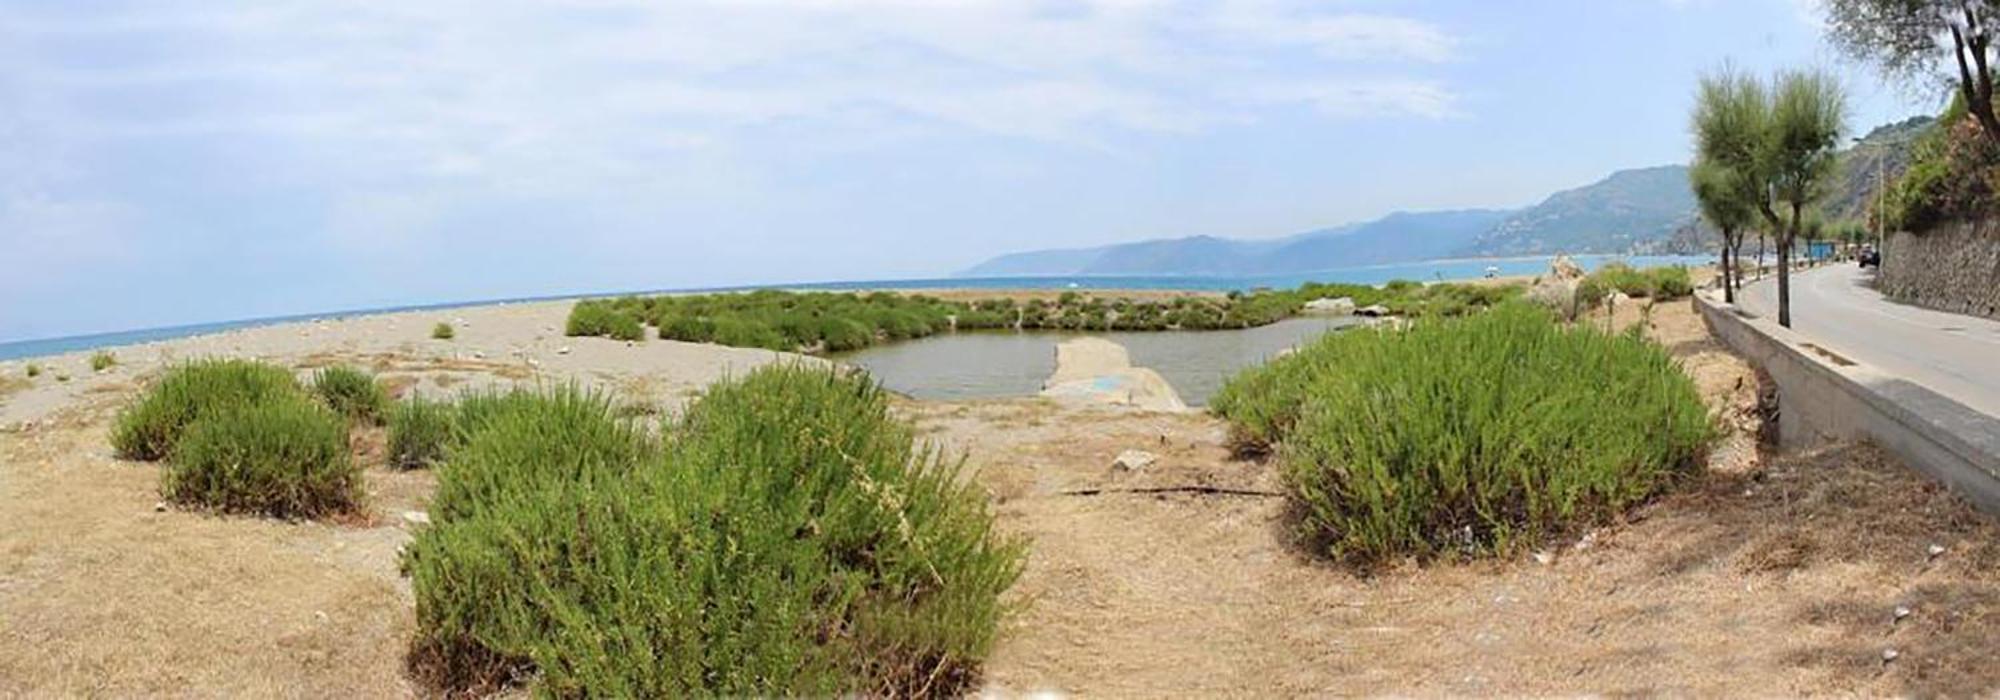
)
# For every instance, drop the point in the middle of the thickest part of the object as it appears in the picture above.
(1424, 271)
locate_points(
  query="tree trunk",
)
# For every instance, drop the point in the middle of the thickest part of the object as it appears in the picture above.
(1785, 239)
(1975, 78)
(1728, 288)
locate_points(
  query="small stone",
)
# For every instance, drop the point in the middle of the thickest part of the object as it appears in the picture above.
(1902, 611)
(321, 615)
(1544, 558)
(1935, 550)
(564, 350)
(416, 517)
(1890, 654)
(1372, 311)
(160, 506)
(477, 355)
(1133, 460)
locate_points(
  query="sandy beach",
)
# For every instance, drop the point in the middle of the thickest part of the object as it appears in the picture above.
(1775, 575)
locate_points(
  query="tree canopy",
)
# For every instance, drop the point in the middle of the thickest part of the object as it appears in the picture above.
(1937, 42)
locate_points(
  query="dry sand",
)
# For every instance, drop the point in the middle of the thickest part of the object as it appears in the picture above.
(1773, 575)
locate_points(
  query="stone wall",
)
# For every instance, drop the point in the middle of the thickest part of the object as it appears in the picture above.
(1954, 267)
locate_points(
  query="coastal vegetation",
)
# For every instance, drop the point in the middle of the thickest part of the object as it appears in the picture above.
(1659, 283)
(34, 370)
(786, 536)
(102, 360)
(241, 437)
(419, 431)
(1487, 433)
(285, 457)
(819, 322)
(149, 428)
(352, 393)
(442, 331)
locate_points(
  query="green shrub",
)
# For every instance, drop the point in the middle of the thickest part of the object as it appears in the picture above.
(1672, 282)
(443, 331)
(351, 392)
(784, 538)
(602, 318)
(148, 428)
(1485, 433)
(284, 457)
(420, 431)
(102, 360)
(34, 370)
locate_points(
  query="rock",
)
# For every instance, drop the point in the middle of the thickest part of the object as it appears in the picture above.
(160, 506)
(1936, 550)
(1544, 558)
(1337, 307)
(1890, 654)
(564, 350)
(1555, 294)
(1902, 611)
(1372, 311)
(1133, 460)
(1564, 268)
(1095, 370)
(1619, 298)
(416, 517)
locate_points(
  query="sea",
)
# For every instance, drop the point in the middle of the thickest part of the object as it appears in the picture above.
(1426, 271)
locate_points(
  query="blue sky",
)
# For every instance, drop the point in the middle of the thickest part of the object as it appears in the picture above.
(176, 161)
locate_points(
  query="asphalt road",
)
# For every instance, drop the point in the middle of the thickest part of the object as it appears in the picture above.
(1957, 356)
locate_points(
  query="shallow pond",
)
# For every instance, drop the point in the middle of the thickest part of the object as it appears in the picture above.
(990, 364)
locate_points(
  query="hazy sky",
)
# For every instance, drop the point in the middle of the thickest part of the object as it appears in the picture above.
(176, 161)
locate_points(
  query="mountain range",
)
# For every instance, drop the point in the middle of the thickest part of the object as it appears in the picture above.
(1639, 211)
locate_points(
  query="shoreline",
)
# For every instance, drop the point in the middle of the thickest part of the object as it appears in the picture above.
(38, 349)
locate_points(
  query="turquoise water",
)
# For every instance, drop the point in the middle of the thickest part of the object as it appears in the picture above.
(1374, 274)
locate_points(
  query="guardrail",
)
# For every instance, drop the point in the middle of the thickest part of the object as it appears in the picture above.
(1822, 395)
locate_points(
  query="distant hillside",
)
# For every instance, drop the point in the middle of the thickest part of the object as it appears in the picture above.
(1397, 237)
(1648, 210)
(1630, 211)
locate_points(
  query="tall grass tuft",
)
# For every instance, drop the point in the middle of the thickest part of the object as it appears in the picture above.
(443, 331)
(285, 457)
(351, 392)
(785, 537)
(1481, 434)
(149, 428)
(420, 432)
(102, 360)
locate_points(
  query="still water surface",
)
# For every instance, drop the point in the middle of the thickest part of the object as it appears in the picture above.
(990, 364)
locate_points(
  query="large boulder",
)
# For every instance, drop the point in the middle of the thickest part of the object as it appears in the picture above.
(1564, 268)
(1095, 370)
(1336, 307)
(1557, 290)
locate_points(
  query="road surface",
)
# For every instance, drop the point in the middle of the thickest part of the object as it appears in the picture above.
(1833, 306)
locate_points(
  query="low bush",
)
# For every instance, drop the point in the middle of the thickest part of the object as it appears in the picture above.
(102, 360)
(443, 331)
(1479, 434)
(351, 392)
(148, 428)
(420, 431)
(601, 318)
(1671, 282)
(34, 370)
(784, 538)
(284, 457)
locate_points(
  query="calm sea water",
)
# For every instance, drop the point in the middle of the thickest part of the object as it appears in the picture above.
(1375, 274)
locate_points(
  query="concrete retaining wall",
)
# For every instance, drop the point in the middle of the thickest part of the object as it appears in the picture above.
(1954, 267)
(1824, 396)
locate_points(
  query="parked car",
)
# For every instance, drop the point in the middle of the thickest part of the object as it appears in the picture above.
(1870, 257)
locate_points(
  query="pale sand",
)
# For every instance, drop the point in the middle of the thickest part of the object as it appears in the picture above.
(497, 344)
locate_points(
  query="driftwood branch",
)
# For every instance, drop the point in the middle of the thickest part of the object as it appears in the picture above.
(1201, 490)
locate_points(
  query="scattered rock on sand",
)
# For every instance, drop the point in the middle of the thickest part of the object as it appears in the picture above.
(1372, 311)
(416, 517)
(564, 350)
(1133, 460)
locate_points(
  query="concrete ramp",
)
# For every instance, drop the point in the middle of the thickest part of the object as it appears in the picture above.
(1096, 370)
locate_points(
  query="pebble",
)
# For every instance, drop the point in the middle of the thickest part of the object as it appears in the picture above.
(564, 350)
(160, 506)
(1133, 460)
(416, 517)
(1902, 612)
(1889, 655)
(1544, 558)
(1936, 550)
